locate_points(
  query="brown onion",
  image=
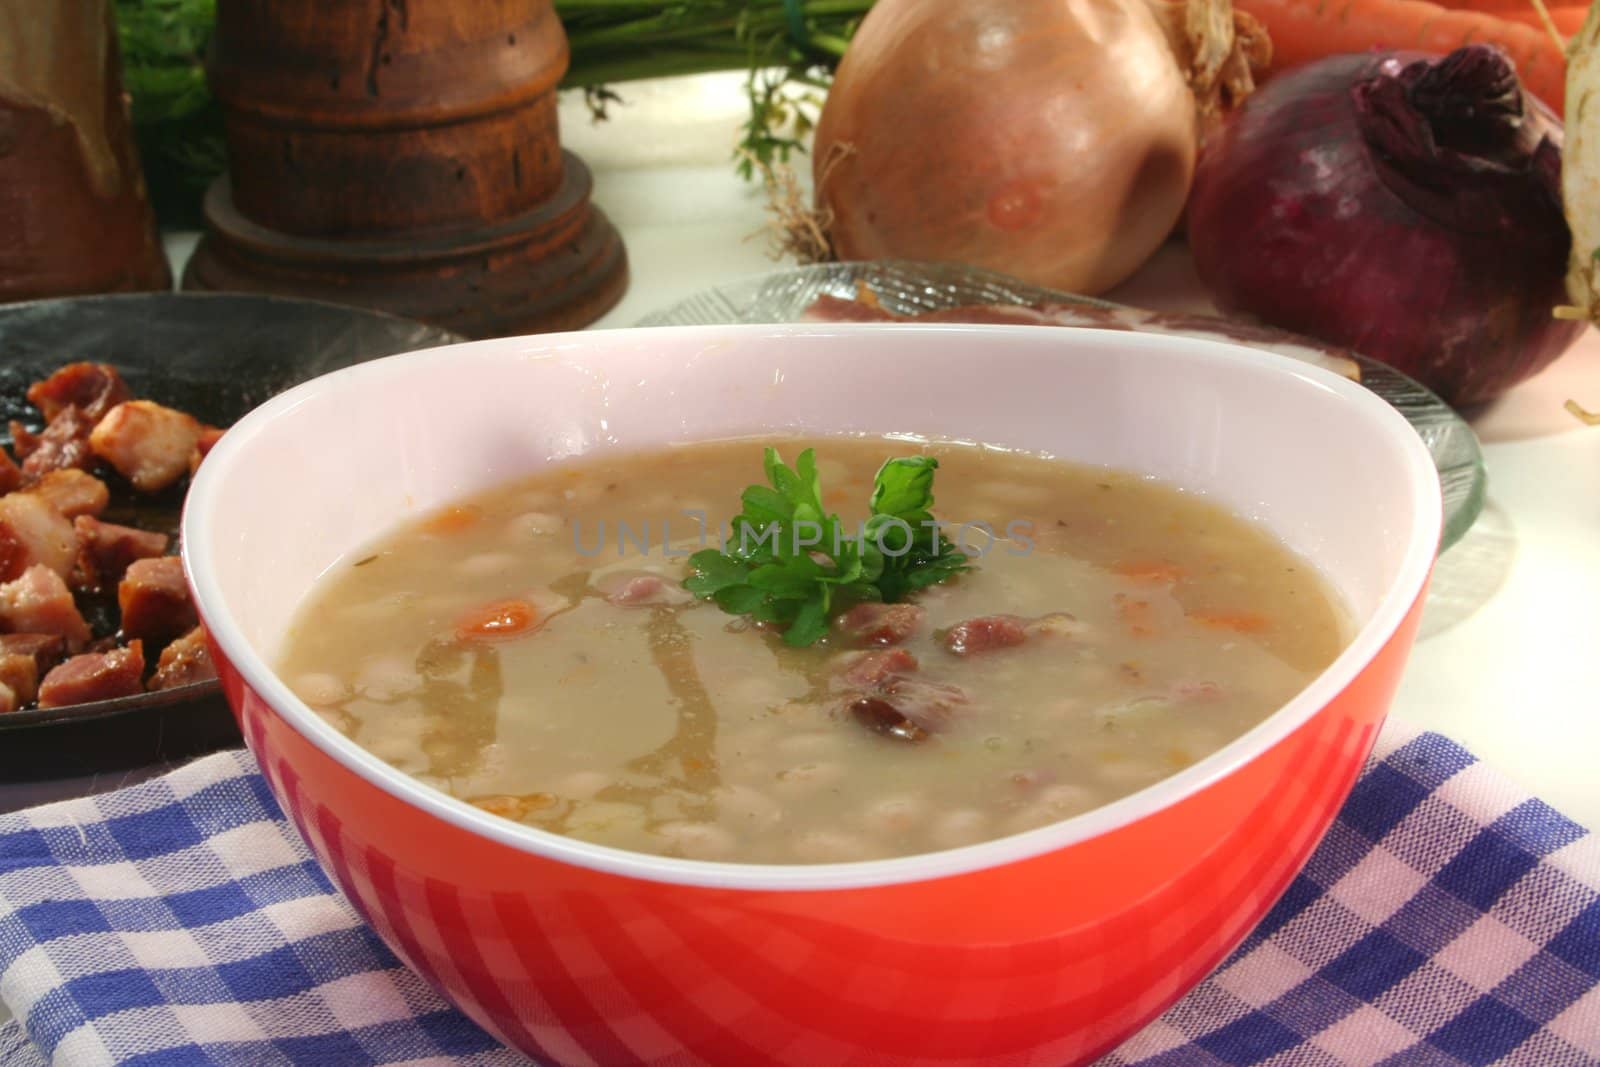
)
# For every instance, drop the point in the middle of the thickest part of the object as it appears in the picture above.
(1053, 140)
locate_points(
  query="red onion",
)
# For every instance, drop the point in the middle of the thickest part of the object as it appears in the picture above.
(1405, 206)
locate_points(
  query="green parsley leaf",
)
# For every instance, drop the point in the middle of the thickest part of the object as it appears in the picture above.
(789, 562)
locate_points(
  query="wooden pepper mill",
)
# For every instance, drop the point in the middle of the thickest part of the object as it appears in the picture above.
(74, 217)
(404, 155)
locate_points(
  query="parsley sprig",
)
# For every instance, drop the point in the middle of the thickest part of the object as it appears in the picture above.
(788, 561)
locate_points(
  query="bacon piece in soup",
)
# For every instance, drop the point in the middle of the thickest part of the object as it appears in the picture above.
(866, 625)
(642, 590)
(986, 633)
(882, 717)
(862, 669)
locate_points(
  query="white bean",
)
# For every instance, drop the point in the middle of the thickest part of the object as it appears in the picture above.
(809, 776)
(320, 689)
(1062, 709)
(605, 821)
(533, 524)
(895, 815)
(740, 803)
(964, 826)
(1066, 800)
(699, 840)
(738, 743)
(582, 785)
(752, 691)
(830, 846)
(807, 743)
(1030, 817)
(485, 564)
(377, 610)
(387, 678)
(397, 747)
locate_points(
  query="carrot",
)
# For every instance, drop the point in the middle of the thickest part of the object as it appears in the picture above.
(1568, 20)
(1241, 622)
(1502, 8)
(1149, 570)
(498, 621)
(1307, 30)
(452, 520)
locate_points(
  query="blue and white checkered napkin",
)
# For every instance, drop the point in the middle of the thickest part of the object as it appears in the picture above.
(1446, 919)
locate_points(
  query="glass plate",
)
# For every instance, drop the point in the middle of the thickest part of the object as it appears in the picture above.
(910, 288)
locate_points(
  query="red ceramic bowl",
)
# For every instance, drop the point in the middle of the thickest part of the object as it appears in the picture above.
(1047, 947)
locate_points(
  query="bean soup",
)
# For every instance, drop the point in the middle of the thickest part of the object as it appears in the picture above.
(533, 650)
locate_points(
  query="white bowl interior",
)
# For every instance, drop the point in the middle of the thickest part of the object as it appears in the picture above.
(317, 473)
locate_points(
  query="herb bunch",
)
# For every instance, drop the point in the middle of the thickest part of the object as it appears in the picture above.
(789, 562)
(176, 122)
(790, 48)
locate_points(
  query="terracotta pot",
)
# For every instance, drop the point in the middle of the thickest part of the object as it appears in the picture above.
(404, 155)
(74, 217)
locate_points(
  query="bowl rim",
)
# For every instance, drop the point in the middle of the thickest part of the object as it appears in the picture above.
(1395, 603)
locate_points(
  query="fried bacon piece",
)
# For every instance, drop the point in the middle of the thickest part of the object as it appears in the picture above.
(34, 533)
(148, 444)
(39, 602)
(23, 440)
(94, 676)
(44, 649)
(72, 492)
(64, 445)
(94, 388)
(154, 599)
(184, 662)
(10, 473)
(105, 550)
(23, 659)
(209, 436)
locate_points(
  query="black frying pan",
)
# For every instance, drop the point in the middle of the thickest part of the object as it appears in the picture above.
(216, 356)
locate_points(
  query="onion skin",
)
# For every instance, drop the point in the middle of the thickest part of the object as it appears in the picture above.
(1053, 140)
(1329, 206)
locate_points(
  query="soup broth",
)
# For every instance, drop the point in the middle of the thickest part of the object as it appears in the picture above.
(531, 650)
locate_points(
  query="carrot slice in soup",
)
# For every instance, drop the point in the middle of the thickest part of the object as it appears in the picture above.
(499, 620)
(1149, 570)
(1243, 622)
(453, 520)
